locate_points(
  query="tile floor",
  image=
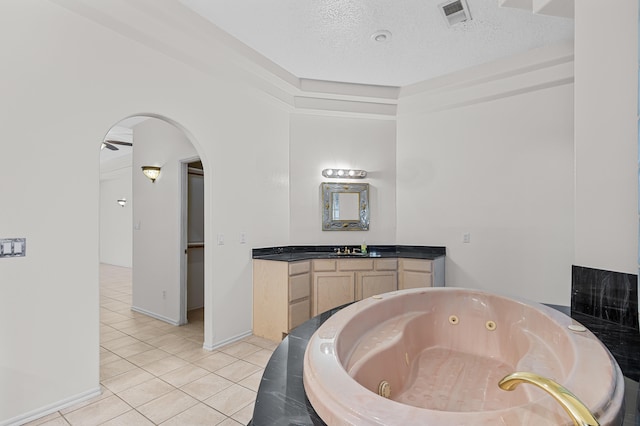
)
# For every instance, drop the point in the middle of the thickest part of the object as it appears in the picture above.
(154, 373)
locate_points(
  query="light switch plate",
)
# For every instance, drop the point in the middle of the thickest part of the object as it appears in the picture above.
(13, 247)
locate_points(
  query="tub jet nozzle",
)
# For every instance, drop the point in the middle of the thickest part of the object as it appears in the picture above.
(384, 389)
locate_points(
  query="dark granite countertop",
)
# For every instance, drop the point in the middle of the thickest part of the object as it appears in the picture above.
(296, 253)
(282, 400)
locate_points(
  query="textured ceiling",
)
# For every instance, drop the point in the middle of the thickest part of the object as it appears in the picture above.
(331, 39)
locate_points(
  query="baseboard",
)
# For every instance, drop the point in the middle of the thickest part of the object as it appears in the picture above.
(51, 408)
(226, 341)
(156, 316)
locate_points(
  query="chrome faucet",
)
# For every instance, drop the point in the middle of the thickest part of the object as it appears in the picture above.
(578, 412)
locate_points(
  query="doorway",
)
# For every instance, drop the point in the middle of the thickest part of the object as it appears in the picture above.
(192, 199)
(156, 242)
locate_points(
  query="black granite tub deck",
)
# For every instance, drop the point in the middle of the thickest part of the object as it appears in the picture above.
(281, 399)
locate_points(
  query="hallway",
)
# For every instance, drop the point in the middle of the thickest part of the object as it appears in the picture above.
(154, 373)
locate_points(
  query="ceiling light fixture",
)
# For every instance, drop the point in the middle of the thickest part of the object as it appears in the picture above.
(152, 172)
(344, 173)
(382, 36)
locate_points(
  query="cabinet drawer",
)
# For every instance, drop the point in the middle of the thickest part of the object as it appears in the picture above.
(355, 265)
(386, 264)
(419, 265)
(299, 312)
(296, 268)
(324, 265)
(299, 286)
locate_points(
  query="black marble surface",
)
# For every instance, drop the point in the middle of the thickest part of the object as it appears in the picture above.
(612, 296)
(281, 399)
(622, 342)
(295, 253)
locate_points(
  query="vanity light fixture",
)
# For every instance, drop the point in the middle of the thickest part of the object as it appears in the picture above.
(122, 201)
(152, 172)
(344, 173)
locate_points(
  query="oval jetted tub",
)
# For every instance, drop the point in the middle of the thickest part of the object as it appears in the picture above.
(435, 356)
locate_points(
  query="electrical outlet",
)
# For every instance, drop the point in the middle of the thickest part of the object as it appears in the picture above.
(243, 238)
(220, 239)
(466, 237)
(164, 294)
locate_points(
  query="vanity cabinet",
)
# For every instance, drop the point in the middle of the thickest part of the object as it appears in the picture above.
(287, 293)
(414, 273)
(340, 281)
(281, 297)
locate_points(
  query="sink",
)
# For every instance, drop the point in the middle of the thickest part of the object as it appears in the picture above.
(354, 255)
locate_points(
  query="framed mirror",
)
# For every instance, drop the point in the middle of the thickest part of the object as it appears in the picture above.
(345, 206)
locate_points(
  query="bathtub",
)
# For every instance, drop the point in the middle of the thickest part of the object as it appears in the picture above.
(436, 356)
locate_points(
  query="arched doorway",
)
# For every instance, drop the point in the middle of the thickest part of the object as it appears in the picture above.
(157, 222)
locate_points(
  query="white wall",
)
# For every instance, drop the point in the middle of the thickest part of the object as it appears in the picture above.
(55, 78)
(157, 249)
(116, 225)
(319, 142)
(500, 170)
(606, 135)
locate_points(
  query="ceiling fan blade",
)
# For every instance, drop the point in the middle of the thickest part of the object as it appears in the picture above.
(119, 143)
(109, 146)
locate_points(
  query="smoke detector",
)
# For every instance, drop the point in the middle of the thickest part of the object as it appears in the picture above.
(455, 12)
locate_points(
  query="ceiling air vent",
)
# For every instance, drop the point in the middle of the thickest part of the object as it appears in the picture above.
(455, 12)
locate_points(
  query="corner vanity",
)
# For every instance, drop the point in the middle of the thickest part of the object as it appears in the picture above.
(292, 284)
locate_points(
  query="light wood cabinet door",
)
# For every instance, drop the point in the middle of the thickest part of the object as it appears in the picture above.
(414, 273)
(371, 283)
(331, 289)
(412, 279)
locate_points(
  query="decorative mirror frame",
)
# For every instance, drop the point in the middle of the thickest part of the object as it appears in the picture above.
(328, 223)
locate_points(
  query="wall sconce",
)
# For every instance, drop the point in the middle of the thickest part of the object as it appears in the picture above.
(344, 173)
(152, 172)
